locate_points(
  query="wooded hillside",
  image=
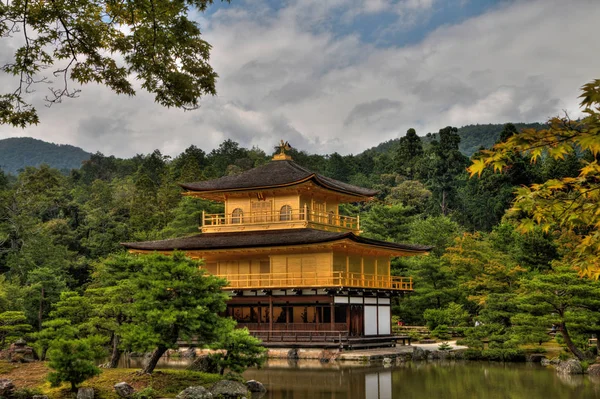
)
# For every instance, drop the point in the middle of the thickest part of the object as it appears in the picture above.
(16, 153)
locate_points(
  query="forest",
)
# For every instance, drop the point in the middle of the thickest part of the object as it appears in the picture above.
(60, 235)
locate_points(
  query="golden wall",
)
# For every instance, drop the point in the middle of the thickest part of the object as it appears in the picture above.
(322, 262)
(276, 203)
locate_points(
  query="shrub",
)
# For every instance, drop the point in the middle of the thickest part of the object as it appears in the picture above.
(472, 354)
(564, 355)
(514, 355)
(444, 346)
(240, 351)
(414, 336)
(146, 393)
(494, 355)
(25, 393)
(503, 355)
(559, 338)
(441, 332)
(73, 360)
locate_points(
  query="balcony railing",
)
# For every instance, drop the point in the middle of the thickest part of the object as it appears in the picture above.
(317, 280)
(288, 216)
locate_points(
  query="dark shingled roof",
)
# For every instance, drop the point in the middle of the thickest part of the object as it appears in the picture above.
(274, 174)
(270, 238)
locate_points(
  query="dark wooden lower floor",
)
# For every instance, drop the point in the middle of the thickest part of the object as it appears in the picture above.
(314, 320)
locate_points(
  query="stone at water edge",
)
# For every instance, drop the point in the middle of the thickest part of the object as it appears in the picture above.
(419, 354)
(6, 387)
(594, 370)
(255, 386)
(85, 393)
(194, 393)
(229, 389)
(124, 390)
(39, 397)
(545, 362)
(189, 353)
(204, 363)
(571, 366)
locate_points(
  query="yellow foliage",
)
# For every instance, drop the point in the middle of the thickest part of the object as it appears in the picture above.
(571, 204)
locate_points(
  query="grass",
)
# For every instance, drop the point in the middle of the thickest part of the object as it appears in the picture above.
(25, 375)
(167, 383)
(552, 348)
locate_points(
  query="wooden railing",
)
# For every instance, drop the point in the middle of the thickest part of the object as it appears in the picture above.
(278, 216)
(315, 327)
(317, 279)
(339, 337)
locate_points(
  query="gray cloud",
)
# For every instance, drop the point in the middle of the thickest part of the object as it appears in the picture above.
(325, 93)
(373, 112)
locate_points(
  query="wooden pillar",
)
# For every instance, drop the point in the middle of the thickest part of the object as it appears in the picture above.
(348, 319)
(270, 313)
(332, 312)
(362, 271)
(287, 316)
(345, 280)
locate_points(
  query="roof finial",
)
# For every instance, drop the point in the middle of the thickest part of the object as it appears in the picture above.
(282, 156)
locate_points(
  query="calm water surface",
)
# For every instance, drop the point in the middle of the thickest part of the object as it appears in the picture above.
(451, 380)
(307, 379)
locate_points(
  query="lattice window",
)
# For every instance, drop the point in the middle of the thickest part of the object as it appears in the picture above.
(261, 210)
(237, 215)
(285, 213)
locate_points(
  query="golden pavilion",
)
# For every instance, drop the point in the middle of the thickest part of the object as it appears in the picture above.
(299, 272)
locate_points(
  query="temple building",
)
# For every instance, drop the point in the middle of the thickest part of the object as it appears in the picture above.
(299, 272)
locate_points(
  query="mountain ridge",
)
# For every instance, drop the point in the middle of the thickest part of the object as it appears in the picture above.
(16, 153)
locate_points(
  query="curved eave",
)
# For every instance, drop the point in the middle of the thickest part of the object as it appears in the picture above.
(349, 238)
(313, 177)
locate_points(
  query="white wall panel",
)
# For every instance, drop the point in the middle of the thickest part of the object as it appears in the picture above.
(371, 320)
(384, 320)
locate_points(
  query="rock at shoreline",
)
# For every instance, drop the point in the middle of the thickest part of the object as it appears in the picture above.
(419, 354)
(204, 363)
(545, 362)
(293, 354)
(194, 393)
(189, 353)
(6, 387)
(536, 358)
(229, 389)
(571, 366)
(594, 370)
(124, 390)
(85, 393)
(255, 386)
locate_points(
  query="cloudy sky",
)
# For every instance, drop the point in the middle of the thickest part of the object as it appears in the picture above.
(345, 75)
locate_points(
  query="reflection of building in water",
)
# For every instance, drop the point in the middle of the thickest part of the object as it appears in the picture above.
(299, 272)
(378, 385)
(326, 383)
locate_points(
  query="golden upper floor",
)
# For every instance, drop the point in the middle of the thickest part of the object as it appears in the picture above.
(278, 195)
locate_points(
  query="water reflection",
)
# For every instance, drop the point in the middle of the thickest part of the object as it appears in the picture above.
(451, 380)
(307, 379)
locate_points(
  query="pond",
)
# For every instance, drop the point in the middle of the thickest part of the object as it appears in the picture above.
(307, 379)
